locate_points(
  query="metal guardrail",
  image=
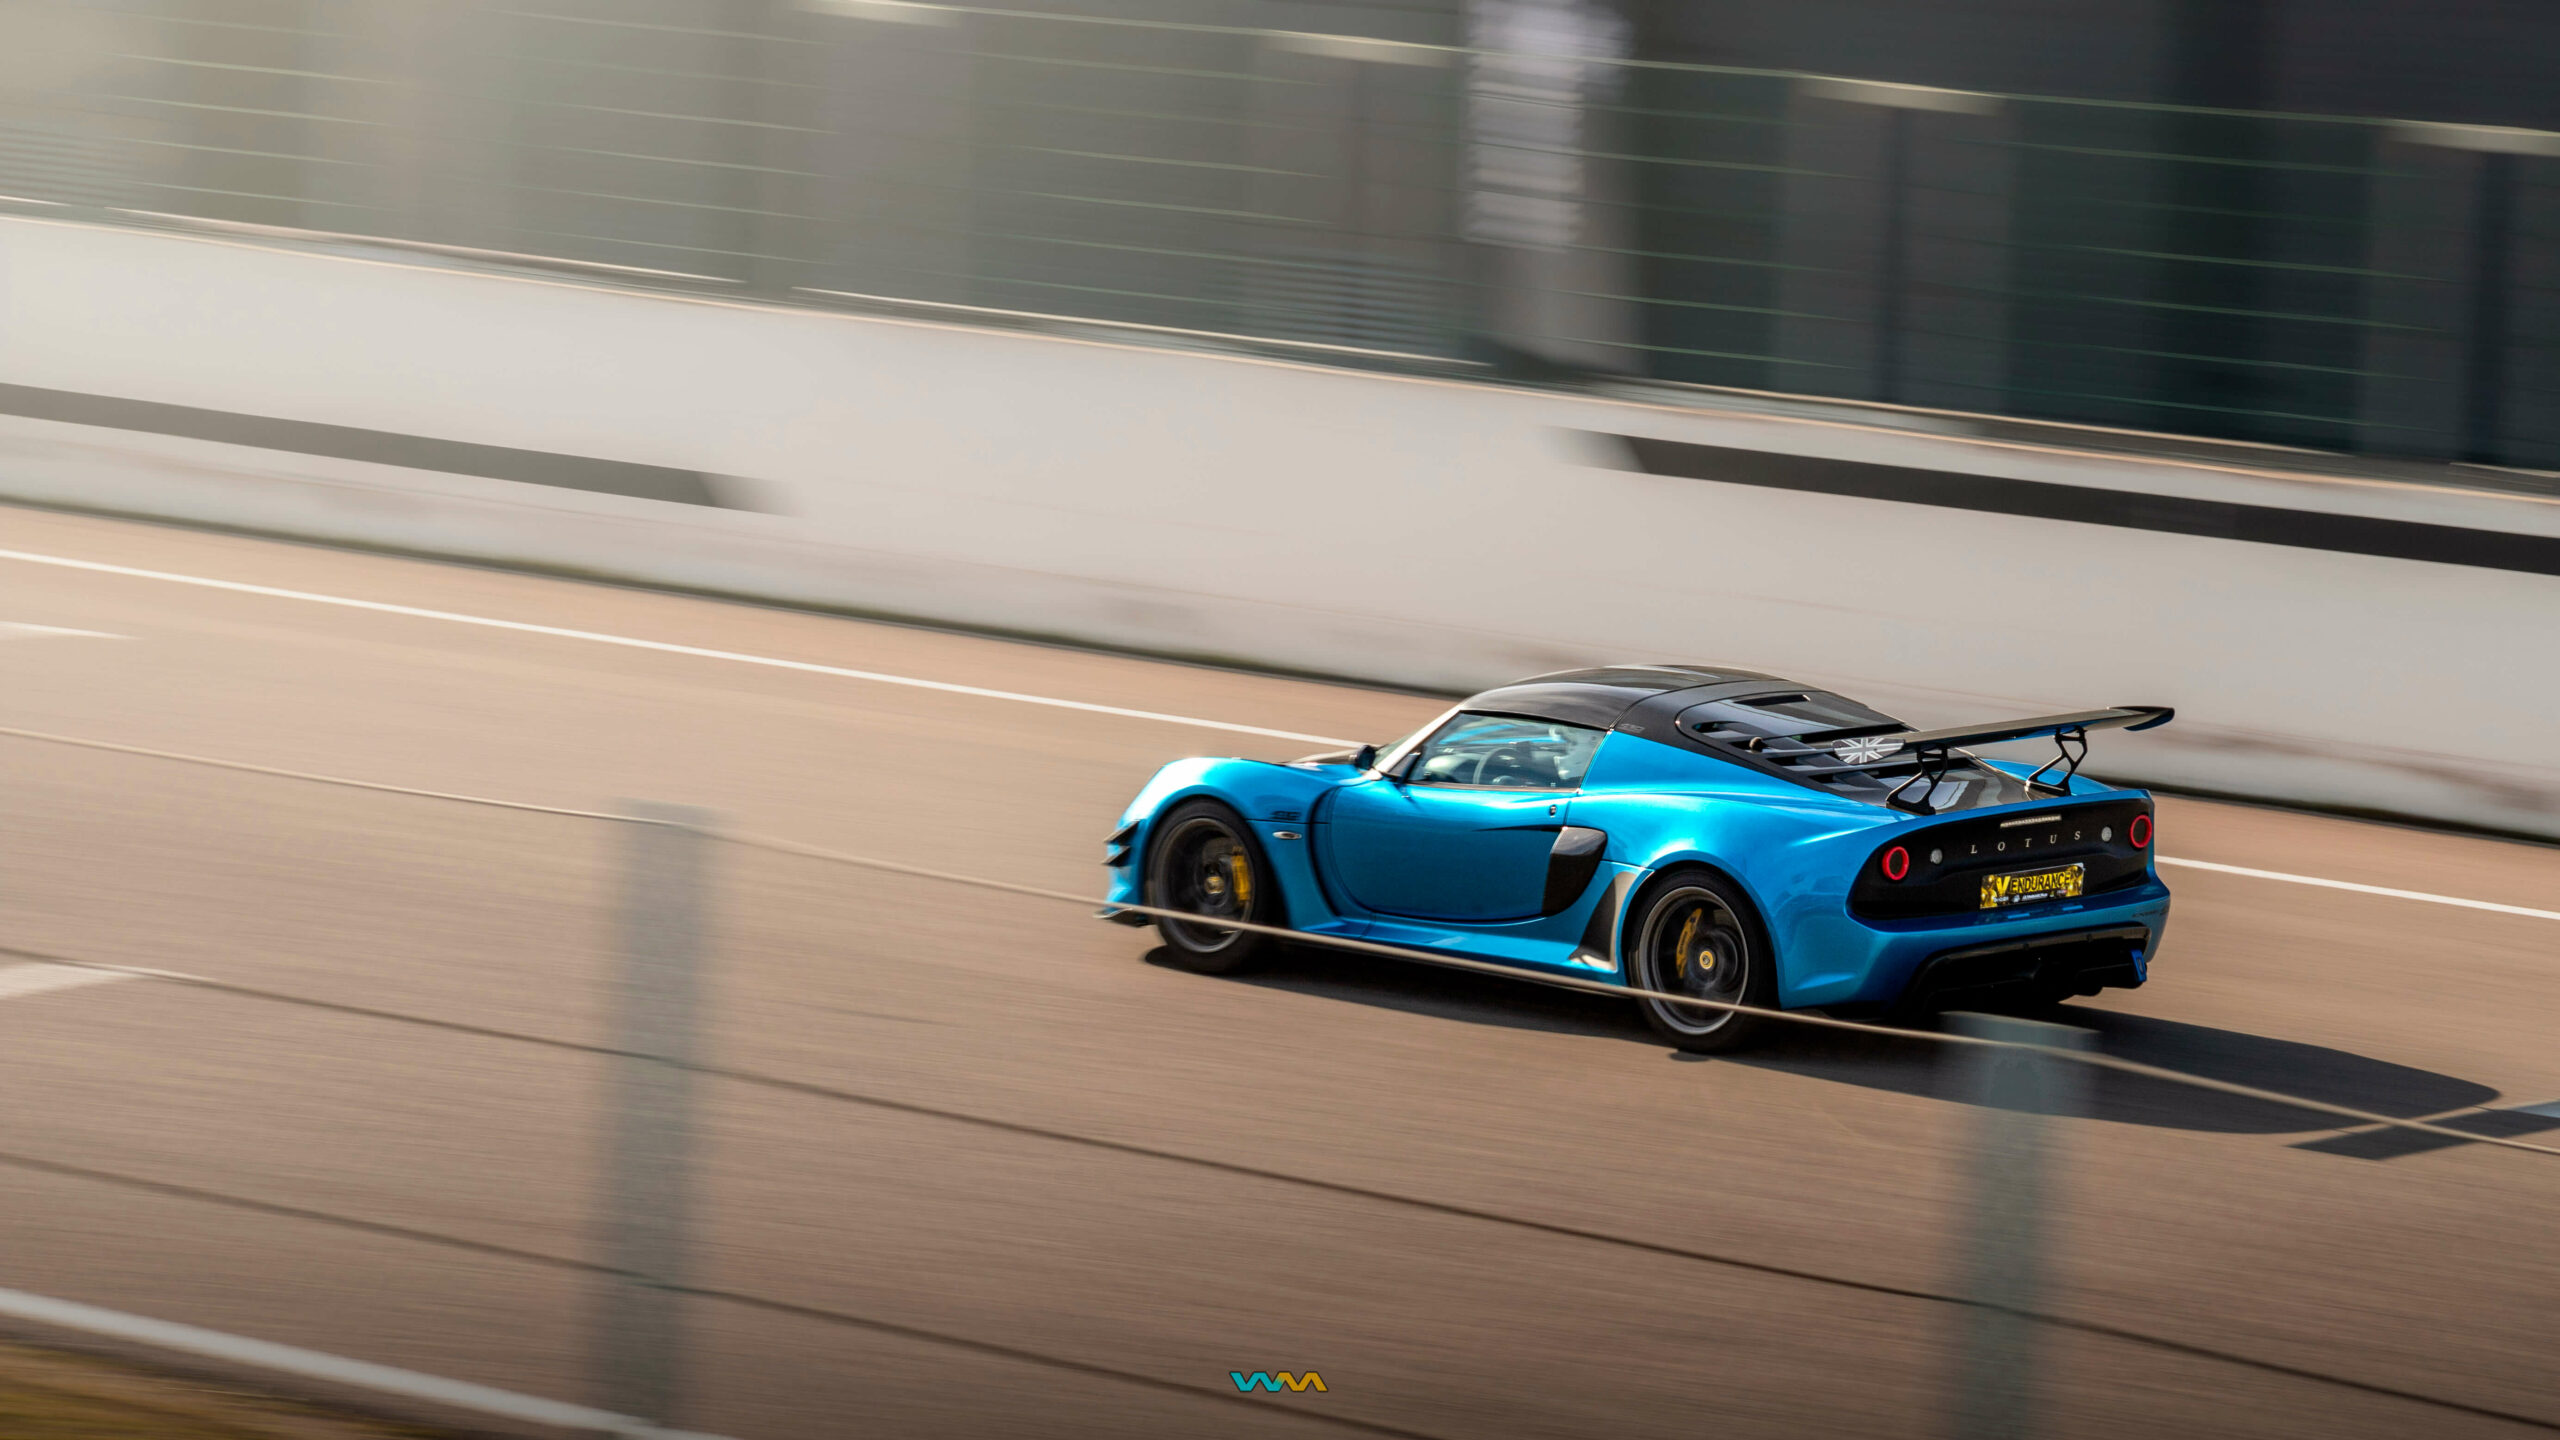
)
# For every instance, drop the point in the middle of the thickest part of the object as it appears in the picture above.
(1503, 183)
(2019, 1071)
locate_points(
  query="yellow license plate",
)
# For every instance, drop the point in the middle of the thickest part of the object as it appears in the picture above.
(2025, 887)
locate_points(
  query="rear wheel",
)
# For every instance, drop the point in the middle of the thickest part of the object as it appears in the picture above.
(1695, 935)
(1204, 862)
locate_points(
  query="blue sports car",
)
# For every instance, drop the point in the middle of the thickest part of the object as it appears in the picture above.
(1686, 830)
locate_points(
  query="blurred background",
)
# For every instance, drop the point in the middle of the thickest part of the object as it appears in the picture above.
(436, 435)
(2267, 220)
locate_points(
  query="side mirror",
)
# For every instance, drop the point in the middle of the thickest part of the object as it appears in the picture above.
(1364, 757)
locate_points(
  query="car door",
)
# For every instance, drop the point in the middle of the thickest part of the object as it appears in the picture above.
(1462, 831)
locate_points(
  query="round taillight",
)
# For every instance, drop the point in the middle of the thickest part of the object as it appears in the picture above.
(2139, 832)
(1897, 863)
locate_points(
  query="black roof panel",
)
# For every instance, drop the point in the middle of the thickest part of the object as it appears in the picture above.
(1598, 696)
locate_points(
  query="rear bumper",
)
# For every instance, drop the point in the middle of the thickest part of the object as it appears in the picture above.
(1855, 967)
(2036, 968)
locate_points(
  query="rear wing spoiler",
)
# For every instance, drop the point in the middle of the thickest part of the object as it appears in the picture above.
(1934, 751)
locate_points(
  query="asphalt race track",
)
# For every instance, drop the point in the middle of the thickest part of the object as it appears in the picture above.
(1476, 1208)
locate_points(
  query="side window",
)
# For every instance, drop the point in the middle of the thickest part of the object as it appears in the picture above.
(1499, 750)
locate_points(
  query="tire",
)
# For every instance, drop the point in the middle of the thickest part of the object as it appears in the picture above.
(1203, 859)
(1685, 917)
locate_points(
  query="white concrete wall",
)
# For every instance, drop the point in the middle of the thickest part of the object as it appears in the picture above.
(1428, 532)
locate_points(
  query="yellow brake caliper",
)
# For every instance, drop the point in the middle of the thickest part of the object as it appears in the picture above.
(1680, 950)
(1243, 879)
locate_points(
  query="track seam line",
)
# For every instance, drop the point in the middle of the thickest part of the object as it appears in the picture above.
(545, 1260)
(1804, 1018)
(1072, 1138)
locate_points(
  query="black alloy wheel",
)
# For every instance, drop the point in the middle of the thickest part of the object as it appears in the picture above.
(1204, 862)
(1696, 936)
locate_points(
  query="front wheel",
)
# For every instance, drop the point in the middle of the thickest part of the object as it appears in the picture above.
(1204, 862)
(1695, 935)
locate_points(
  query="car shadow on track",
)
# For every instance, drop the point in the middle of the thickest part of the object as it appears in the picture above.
(1911, 1063)
(1418, 989)
(2314, 1072)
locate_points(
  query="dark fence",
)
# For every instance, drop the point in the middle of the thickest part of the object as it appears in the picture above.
(1498, 183)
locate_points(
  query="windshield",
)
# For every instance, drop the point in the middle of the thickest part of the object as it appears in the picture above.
(1507, 751)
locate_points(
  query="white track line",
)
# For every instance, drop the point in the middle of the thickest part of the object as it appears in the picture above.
(17, 981)
(13, 629)
(663, 647)
(2363, 889)
(879, 678)
(333, 1369)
